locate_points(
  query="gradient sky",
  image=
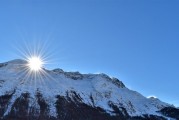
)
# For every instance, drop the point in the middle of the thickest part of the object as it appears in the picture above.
(136, 41)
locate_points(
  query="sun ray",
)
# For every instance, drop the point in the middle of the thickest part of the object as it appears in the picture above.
(38, 55)
(35, 63)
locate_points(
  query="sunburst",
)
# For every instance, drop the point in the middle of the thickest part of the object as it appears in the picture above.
(37, 56)
(35, 63)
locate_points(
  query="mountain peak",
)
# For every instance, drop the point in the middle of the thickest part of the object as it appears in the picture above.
(61, 93)
(17, 61)
(14, 62)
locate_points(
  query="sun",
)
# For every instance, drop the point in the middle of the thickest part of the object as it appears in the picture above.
(35, 63)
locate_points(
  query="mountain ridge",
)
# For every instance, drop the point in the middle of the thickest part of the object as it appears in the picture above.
(56, 94)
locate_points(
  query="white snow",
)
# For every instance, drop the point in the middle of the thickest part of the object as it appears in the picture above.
(57, 83)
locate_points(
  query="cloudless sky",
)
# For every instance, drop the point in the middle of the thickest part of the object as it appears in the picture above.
(136, 41)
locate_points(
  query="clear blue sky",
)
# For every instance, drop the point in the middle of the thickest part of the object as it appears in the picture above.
(134, 40)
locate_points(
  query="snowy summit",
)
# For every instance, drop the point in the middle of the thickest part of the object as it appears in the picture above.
(59, 95)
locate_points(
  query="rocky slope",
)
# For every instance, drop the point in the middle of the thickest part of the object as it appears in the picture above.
(59, 95)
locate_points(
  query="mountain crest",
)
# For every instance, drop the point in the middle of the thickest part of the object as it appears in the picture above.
(59, 95)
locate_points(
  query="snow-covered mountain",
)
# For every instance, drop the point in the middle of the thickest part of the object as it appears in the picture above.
(58, 95)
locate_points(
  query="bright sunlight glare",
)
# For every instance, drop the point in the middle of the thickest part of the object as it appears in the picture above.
(35, 63)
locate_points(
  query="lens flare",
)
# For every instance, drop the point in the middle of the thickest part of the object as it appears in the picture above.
(37, 57)
(35, 63)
